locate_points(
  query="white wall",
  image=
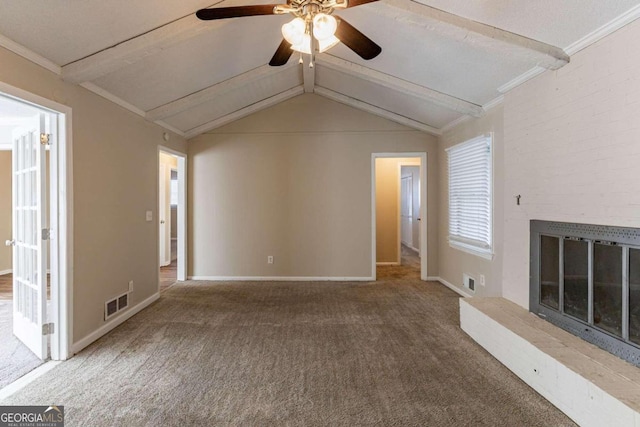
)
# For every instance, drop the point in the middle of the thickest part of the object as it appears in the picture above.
(572, 148)
(292, 181)
(114, 183)
(452, 263)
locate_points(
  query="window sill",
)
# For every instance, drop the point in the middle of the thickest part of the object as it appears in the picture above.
(482, 253)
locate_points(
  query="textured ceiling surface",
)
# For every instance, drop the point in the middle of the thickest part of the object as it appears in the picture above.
(441, 60)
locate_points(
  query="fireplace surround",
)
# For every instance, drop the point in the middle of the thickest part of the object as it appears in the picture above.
(585, 279)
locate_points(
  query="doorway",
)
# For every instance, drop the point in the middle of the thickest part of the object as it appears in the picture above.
(34, 261)
(399, 215)
(171, 217)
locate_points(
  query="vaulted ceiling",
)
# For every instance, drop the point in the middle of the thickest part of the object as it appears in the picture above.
(441, 60)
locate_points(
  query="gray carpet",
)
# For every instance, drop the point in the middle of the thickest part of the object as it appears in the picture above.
(388, 353)
(15, 358)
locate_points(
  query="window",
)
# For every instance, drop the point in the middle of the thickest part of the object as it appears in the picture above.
(174, 190)
(470, 192)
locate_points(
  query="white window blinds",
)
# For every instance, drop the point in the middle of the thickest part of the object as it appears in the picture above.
(470, 195)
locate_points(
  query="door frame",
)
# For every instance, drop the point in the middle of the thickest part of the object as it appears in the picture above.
(182, 211)
(423, 208)
(60, 218)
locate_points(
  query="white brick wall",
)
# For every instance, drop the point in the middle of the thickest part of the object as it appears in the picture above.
(572, 148)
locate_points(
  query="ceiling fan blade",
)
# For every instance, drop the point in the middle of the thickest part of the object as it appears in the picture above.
(235, 12)
(354, 3)
(282, 55)
(356, 41)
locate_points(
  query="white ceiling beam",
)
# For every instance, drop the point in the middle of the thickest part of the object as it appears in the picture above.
(212, 92)
(243, 112)
(135, 49)
(545, 55)
(308, 74)
(403, 86)
(356, 103)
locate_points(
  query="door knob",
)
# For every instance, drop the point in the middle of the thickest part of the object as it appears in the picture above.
(10, 242)
(162, 221)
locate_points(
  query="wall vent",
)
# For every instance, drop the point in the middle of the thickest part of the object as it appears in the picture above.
(469, 282)
(115, 305)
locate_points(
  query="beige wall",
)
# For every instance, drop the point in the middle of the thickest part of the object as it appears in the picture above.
(388, 208)
(572, 148)
(5, 210)
(115, 167)
(414, 172)
(452, 263)
(292, 181)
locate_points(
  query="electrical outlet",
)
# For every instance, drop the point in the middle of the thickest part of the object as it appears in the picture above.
(130, 285)
(270, 259)
(482, 280)
(149, 216)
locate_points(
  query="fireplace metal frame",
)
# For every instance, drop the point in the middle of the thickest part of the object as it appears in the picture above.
(627, 238)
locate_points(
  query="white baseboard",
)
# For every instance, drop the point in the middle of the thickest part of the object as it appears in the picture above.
(432, 279)
(387, 263)
(3, 272)
(454, 288)
(112, 324)
(280, 279)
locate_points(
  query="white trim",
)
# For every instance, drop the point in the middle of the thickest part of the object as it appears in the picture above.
(281, 279)
(27, 379)
(3, 272)
(479, 34)
(433, 278)
(243, 112)
(388, 263)
(454, 288)
(62, 219)
(493, 103)
(111, 97)
(167, 126)
(112, 324)
(526, 76)
(26, 53)
(361, 105)
(423, 208)
(608, 28)
(454, 123)
(182, 212)
(471, 250)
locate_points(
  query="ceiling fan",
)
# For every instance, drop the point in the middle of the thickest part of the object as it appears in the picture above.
(311, 18)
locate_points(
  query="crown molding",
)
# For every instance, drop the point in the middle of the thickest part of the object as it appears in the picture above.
(533, 72)
(610, 27)
(36, 58)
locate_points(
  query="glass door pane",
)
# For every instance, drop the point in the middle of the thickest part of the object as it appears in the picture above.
(550, 271)
(607, 288)
(576, 279)
(634, 295)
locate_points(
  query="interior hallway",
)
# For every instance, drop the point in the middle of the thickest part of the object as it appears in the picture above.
(409, 268)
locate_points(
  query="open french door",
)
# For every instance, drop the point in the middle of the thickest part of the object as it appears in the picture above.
(29, 237)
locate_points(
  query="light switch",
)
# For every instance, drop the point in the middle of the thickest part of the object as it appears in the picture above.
(149, 216)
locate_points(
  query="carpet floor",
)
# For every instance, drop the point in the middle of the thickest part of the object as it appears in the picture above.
(15, 358)
(386, 353)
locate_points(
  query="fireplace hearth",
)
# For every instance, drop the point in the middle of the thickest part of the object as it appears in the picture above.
(586, 280)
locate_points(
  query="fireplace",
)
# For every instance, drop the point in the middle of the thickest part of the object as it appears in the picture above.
(586, 280)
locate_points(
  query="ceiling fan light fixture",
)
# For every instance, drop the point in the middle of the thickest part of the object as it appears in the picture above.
(324, 26)
(304, 46)
(294, 31)
(328, 43)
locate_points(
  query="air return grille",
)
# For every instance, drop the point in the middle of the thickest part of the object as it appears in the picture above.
(116, 305)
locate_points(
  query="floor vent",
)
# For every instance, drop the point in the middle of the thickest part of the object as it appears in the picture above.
(469, 282)
(115, 305)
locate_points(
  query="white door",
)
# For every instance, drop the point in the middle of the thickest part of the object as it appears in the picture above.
(406, 210)
(29, 244)
(164, 221)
